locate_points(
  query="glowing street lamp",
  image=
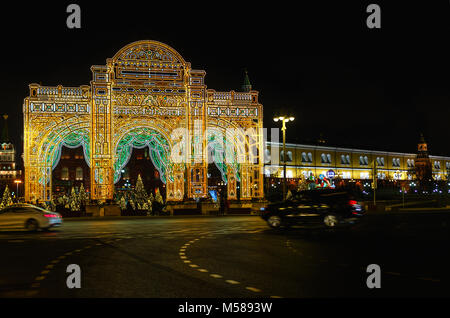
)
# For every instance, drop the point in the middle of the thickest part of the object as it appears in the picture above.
(284, 120)
(17, 182)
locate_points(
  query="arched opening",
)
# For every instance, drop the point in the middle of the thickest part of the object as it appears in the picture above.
(144, 152)
(71, 171)
(140, 164)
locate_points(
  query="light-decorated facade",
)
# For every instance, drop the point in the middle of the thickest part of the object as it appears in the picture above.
(147, 95)
(348, 163)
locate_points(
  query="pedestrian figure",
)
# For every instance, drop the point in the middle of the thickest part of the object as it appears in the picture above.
(221, 203)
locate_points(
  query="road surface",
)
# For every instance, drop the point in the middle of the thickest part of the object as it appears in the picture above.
(229, 257)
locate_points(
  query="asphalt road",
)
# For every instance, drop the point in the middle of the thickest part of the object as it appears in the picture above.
(229, 257)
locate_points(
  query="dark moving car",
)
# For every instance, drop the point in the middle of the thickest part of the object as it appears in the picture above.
(328, 207)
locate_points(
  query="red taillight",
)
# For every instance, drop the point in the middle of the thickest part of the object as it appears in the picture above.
(352, 202)
(50, 215)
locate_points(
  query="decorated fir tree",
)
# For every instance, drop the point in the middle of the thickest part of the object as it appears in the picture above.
(133, 205)
(83, 196)
(123, 203)
(140, 195)
(74, 201)
(65, 200)
(6, 199)
(158, 203)
(158, 197)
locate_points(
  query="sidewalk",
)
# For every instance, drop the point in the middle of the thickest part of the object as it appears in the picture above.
(106, 218)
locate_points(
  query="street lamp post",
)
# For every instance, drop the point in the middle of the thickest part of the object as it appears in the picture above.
(17, 182)
(283, 128)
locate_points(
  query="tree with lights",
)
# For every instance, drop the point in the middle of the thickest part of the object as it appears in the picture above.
(83, 196)
(6, 200)
(158, 203)
(140, 195)
(74, 201)
(123, 203)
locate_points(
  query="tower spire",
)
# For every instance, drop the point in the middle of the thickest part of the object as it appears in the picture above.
(422, 147)
(246, 87)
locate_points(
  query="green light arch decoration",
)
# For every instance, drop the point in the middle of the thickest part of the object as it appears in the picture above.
(141, 137)
(218, 147)
(52, 155)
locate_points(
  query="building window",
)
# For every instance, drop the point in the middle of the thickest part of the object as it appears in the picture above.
(267, 158)
(345, 159)
(65, 173)
(79, 173)
(363, 160)
(410, 163)
(397, 175)
(364, 175)
(396, 162)
(304, 157)
(346, 175)
(380, 161)
(288, 156)
(325, 158)
(437, 165)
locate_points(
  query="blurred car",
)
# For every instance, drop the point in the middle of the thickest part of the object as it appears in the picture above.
(326, 207)
(29, 217)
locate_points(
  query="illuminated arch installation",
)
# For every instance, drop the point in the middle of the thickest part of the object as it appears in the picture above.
(159, 149)
(142, 95)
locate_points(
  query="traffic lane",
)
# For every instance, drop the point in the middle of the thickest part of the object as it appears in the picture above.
(24, 258)
(266, 264)
(414, 249)
(310, 271)
(23, 261)
(98, 228)
(134, 268)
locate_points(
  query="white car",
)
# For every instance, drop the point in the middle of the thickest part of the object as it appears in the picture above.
(29, 217)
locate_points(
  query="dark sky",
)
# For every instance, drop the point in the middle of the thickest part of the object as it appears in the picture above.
(373, 89)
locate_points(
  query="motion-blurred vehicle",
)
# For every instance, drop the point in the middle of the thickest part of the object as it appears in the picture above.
(28, 217)
(331, 208)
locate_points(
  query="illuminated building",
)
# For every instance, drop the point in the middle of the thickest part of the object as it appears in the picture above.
(144, 94)
(8, 172)
(350, 164)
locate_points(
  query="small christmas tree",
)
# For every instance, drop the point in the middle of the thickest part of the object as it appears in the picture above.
(123, 203)
(133, 206)
(140, 195)
(158, 203)
(289, 195)
(83, 196)
(6, 200)
(158, 197)
(74, 201)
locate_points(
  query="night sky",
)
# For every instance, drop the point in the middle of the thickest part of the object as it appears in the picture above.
(372, 89)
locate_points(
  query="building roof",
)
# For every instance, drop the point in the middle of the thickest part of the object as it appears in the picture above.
(339, 149)
(247, 86)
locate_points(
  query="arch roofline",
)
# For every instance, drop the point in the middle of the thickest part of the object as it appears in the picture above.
(137, 44)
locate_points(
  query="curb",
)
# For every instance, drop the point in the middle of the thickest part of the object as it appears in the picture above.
(104, 218)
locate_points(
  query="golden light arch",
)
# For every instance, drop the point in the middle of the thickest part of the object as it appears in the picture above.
(146, 84)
